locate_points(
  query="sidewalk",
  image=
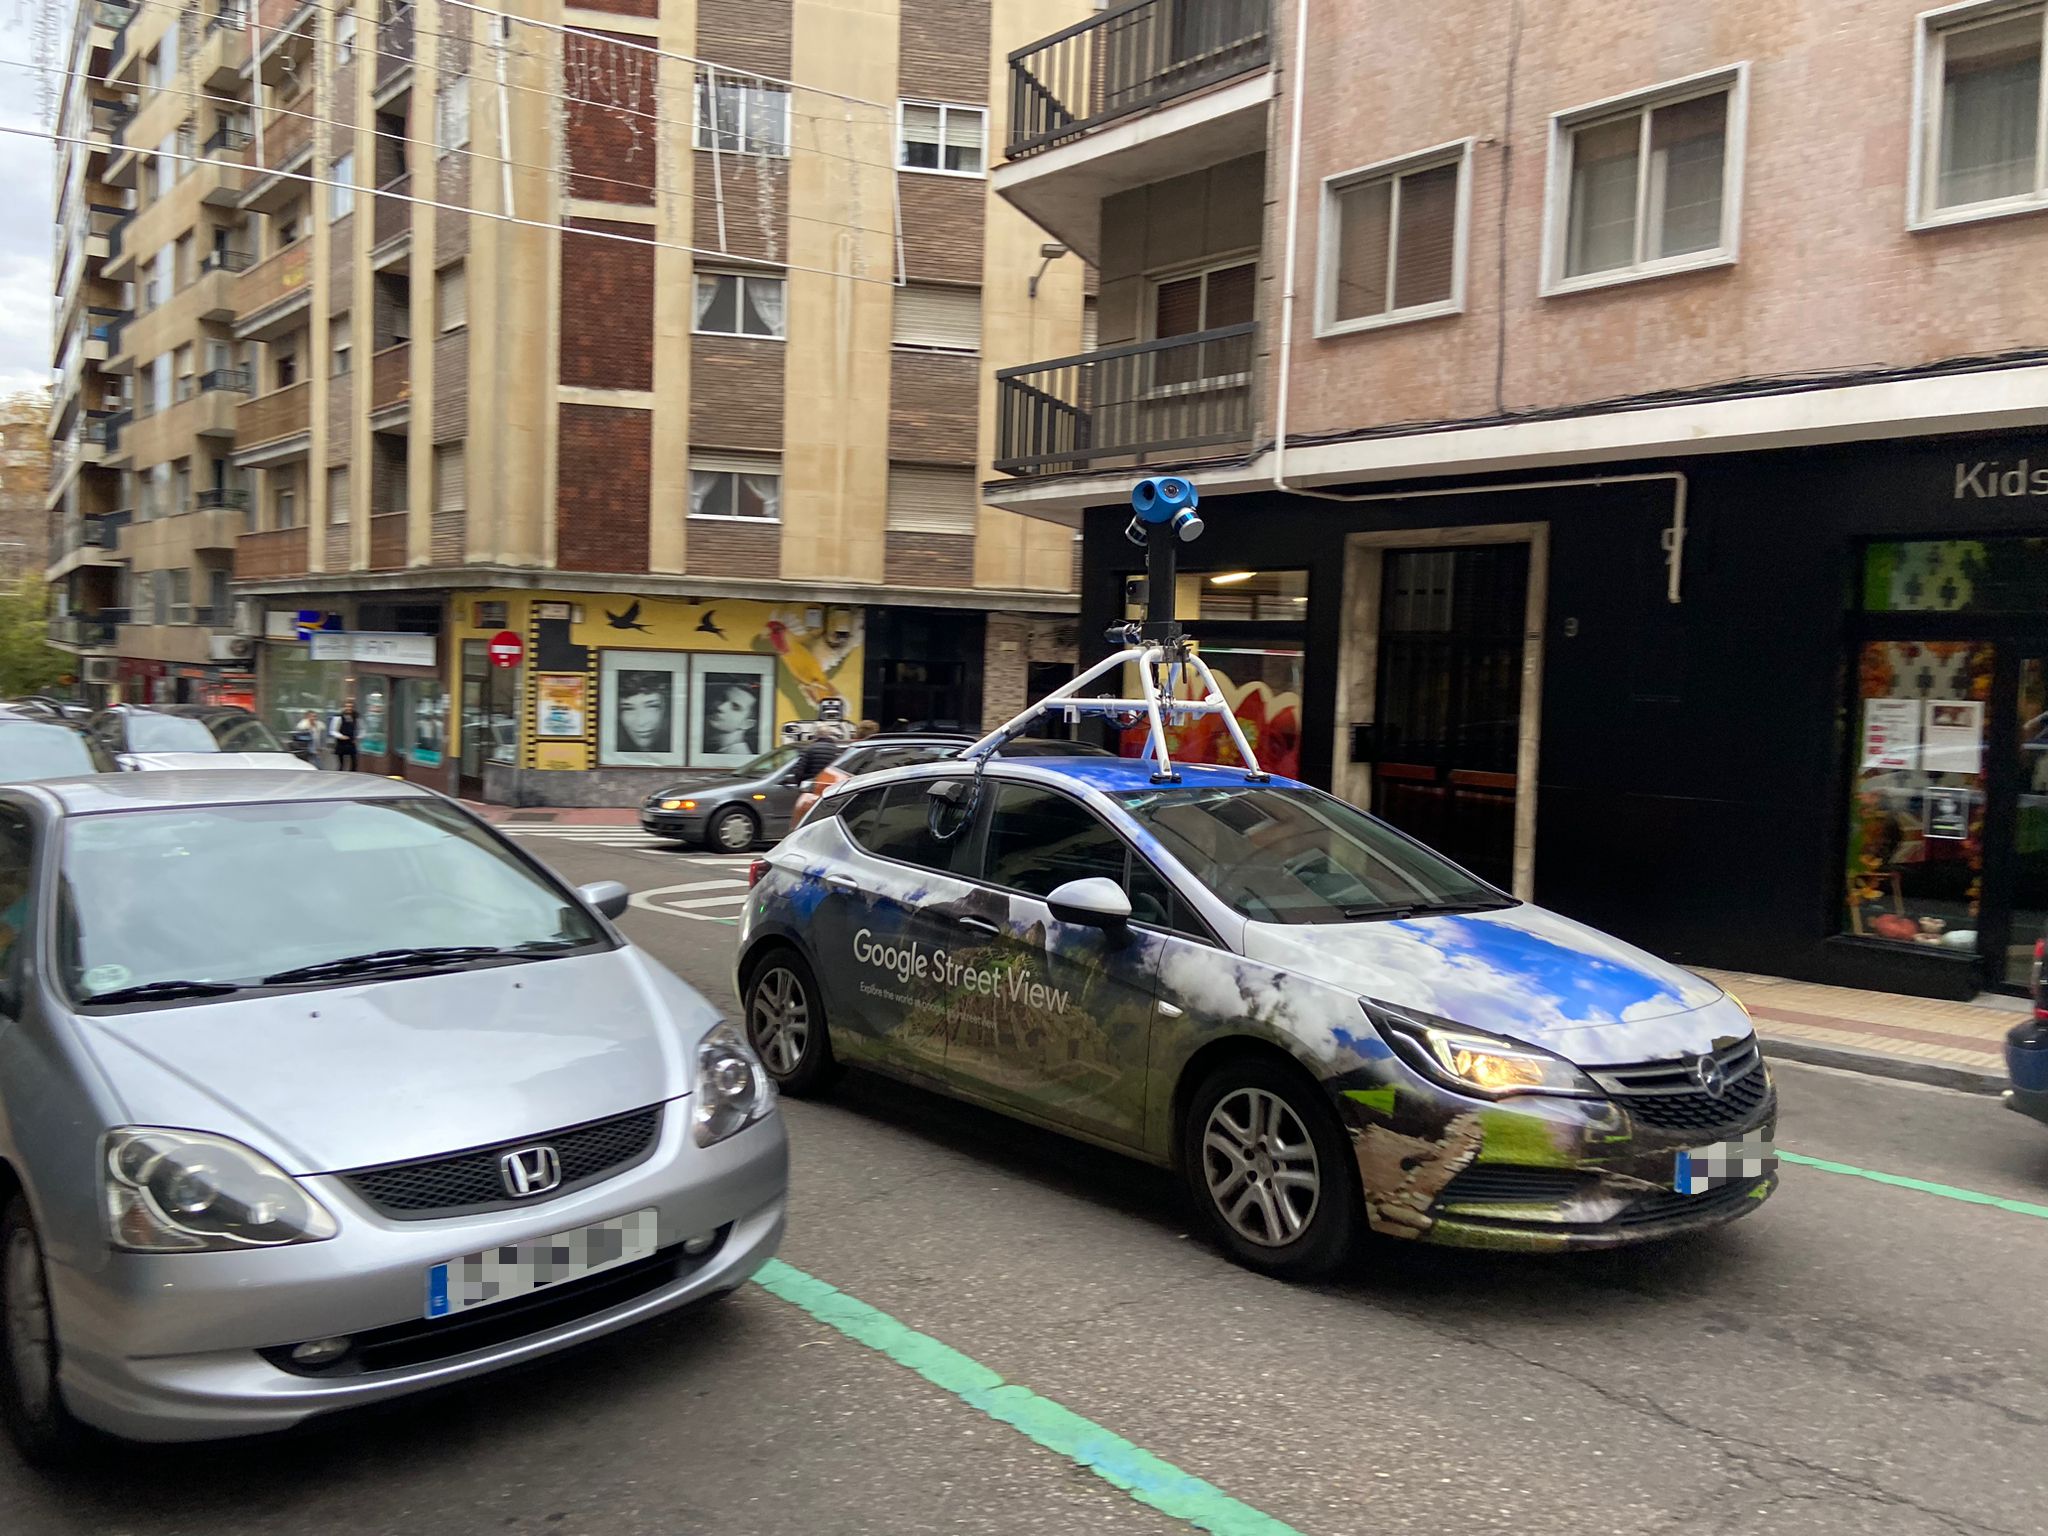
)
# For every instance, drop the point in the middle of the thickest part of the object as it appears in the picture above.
(1955, 1045)
(559, 816)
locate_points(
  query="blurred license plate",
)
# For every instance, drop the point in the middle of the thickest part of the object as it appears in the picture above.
(1725, 1162)
(520, 1269)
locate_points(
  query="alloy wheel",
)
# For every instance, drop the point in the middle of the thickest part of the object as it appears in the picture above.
(1260, 1165)
(31, 1351)
(734, 832)
(780, 1020)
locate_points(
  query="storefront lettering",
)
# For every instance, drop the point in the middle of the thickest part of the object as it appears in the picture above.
(913, 962)
(1988, 479)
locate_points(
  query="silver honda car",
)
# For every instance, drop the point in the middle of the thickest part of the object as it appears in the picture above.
(314, 1091)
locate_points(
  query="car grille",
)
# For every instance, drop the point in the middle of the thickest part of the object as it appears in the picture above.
(1666, 1095)
(467, 1182)
(1495, 1184)
(425, 1341)
(1667, 1203)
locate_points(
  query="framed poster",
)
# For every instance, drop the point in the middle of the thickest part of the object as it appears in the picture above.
(640, 708)
(563, 704)
(1891, 733)
(1954, 738)
(735, 709)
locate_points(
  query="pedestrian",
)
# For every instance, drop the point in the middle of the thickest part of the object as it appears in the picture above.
(345, 728)
(306, 738)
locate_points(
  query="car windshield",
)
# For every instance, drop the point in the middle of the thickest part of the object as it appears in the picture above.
(235, 893)
(43, 752)
(768, 763)
(1299, 856)
(168, 733)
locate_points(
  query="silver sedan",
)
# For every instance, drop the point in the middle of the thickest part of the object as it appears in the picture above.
(314, 1091)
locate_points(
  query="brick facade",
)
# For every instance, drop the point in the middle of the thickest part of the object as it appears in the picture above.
(341, 399)
(613, 87)
(451, 385)
(746, 34)
(451, 230)
(934, 406)
(944, 51)
(735, 549)
(943, 218)
(1014, 641)
(607, 313)
(756, 192)
(341, 263)
(736, 393)
(928, 559)
(449, 535)
(601, 488)
(648, 8)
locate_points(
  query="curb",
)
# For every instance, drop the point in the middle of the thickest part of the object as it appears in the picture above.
(1936, 1074)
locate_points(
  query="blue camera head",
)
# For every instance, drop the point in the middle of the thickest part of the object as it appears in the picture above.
(1157, 498)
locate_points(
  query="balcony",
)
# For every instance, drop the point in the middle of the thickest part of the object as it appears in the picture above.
(394, 213)
(281, 552)
(394, 43)
(391, 381)
(84, 631)
(233, 380)
(274, 290)
(274, 420)
(227, 170)
(223, 50)
(1127, 404)
(103, 223)
(103, 332)
(1138, 94)
(220, 517)
(388, 533)
(287, 145)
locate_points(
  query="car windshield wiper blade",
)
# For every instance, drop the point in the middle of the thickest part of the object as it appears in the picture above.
(148, 991)
(381, 960)
(1399, 909)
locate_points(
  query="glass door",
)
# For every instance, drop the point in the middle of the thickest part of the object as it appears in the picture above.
(2028, 851)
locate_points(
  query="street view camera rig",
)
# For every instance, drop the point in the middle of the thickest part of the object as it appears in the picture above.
(1165, 658)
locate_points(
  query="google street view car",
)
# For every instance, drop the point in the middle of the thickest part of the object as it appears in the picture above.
(1324, 1026)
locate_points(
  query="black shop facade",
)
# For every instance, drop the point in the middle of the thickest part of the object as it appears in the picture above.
(1782, 712)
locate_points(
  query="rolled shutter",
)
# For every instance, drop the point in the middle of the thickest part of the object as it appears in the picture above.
(451, 478)
(927, 499)
(931, 315)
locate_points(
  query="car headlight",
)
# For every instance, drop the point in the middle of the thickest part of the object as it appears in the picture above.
(1474, 1061)
(183, 1192)
(733, 1089)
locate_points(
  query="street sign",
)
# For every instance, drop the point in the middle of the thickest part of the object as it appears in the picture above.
(505, 649)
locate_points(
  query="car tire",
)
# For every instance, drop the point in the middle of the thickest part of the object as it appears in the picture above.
(732, 830)
(785, 1022)
(1270, 1171)
(31, 1404)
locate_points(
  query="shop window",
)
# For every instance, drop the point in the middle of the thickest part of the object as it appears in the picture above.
(1227, 596)
(423, 720)
(1962, 575)
(373, 708)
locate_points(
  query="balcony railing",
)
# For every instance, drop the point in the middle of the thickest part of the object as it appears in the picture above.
(82, 631)
(229, 14)
(101, 428)
(215, 497)
(106, 13)
(226, 261)
(270, 418)
(236, 380)
(1127, 59)
(391, 376)
(1126, 402)
(278, 552)
(106, 323)
(227, 139)
(394, 40)
(274, 279)
(287, 132)
(394, 211)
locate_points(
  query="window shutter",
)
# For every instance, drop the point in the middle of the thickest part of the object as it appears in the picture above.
(1425, 249)
(1091, 326)
(927, 499)
(451, 478)
(920, 125)
(453, 299)
(929, 315)
(1177, 308)
(338, 495)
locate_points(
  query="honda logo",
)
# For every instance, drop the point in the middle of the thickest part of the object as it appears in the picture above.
(530, 1171)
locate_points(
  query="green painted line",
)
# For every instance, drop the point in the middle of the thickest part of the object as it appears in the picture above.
(1899, 1181)
(1151, 1481)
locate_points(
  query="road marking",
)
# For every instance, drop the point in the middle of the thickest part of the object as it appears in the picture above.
(1145, 1477)
(1899, 1181)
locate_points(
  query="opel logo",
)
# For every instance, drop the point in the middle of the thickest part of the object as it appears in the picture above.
(530, 1171)
(1708, 1073)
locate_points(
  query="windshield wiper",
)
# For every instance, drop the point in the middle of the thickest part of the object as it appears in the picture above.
(381, 960)
(1400, 909)
(149, 991)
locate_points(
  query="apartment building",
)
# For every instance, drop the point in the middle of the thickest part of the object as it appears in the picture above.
(1621, 431)
(590, 393)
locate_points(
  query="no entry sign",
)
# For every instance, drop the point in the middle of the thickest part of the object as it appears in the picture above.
(504, 649)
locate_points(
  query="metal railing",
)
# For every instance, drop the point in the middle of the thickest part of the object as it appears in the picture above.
(215, 497)
(394, 40)
(107, 13)
(1128, 402)
(100, 427)
(234, 379)
(1127, 59)
(84, 631)
(106, 323)
(227, 137)
(226, 261)
(228, 14)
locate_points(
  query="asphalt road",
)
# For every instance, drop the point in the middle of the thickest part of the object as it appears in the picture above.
(1855, 1357)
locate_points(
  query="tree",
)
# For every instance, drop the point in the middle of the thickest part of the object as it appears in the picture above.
(28, 662)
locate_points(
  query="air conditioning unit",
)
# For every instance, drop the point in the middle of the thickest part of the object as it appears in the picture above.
(248, 617)
(230, 647)
(101, 669)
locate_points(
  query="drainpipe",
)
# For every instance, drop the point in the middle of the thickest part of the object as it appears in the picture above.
(1674, 535)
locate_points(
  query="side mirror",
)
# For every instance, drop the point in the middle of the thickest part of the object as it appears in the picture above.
(608, 896)
(1096, 902)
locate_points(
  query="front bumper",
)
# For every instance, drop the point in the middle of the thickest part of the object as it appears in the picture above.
(2033, 1103)
(686, 825)
(1539, 1174)
(168, 1347)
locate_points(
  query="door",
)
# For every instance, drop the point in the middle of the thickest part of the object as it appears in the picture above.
(2026, 872)
(1063, 1011)
(778, 800)
(476, 722)
(1449, 711)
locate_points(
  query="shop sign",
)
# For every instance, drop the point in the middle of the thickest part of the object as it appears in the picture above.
(311, 621)
(1988, 479)
(280, 624)
(328, 647)
(394, 650)
(504, 649)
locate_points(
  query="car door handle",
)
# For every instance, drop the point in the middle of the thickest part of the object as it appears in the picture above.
(980, 925)
(842, 882)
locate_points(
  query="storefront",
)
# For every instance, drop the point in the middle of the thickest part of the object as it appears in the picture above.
(320, 659)
(598, 698)
(1801, 729)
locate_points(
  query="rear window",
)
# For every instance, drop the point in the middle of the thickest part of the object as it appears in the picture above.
(168, 733)
(47, 752)
(244, 733)
(895, 823)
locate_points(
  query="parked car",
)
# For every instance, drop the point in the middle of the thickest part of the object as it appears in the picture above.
(229, 1215)
(52, 709)
(165, 736)
(39, 747)
(2026, 1048)
(878, 753)
(1321, 1024)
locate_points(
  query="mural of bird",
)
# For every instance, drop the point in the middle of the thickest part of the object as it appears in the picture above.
(708, 625)
(630, 619)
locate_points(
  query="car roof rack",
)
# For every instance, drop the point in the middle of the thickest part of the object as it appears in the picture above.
(1165, 507)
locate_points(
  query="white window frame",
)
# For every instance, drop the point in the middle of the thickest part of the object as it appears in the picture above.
(1732, 78)
(735, 464)
(743, 278)
(1924, 173)
(341, 190)
(1459, 153)
(945, 109)
(345, 36)
(705, 128)
(1148, 318)
(449, 136)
